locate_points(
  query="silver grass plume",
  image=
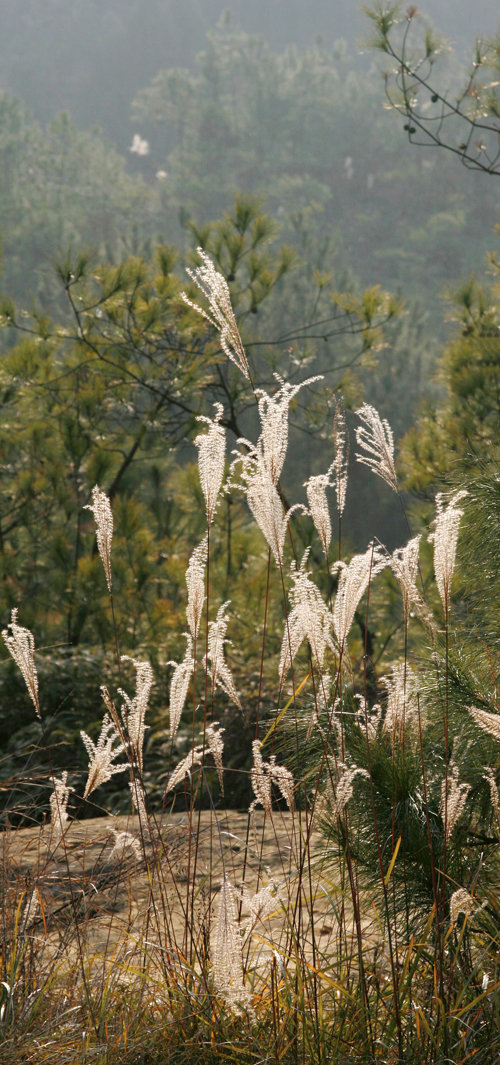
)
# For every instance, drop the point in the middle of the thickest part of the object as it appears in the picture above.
(261, 905)
(460, 902)
(489, 777)
(103, 517)
(216, 747)
(402, 704)
(273, 412)
(316, 488)
(376, 439)
(263, 774)
(20, 644)
(123, 842)
(369, 718)
(59, 808)
(184, 767)
(226, 950)
(264, 502)
(220, 312)
(102, 755)
(211, 457)
(445, 537)
(453, 799)
(179, 685)
(344, 787)
(341, 451)
(195, 583)
(404, 564)
(134, 710)
(138, 796)
(218, 670)
(489, 722)
(261, 780)
(308, 619)
(353, 582)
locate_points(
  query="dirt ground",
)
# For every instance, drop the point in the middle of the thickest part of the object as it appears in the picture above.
(156, 888)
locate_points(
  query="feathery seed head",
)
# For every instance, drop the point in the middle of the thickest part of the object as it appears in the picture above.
(344, 788)
(195, 757)
(402, 704)
(103, 517)
(216, 747)
(211, 457)
(264, 502)
(226, 949)
(460, 902)
(489, 777)
(134, 710)
(102, 755)
(20, 644)
(353, 582)
(404, 564)
(195, 582)
(123, 841)
(59, 808)
(179, 685)
(273, 411)
(453, 799)
(220, 312)
(341, 451)
(263, 774)
(318, 506)
(308, 619)
(445, 537)
(376, 439)
(489, 722)
(218, 670)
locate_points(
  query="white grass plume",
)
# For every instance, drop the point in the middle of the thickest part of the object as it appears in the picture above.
(263, 775)
(353, 582)
(123, 842)
(402, 705)
(344, 788)
(264, 502)
(216, 747)
(134, 710)
(195, 583)
(308, 619)
(102, 755)
(20, 644)
(273, 412)
(179, 685)
(211, 457)
(341, 451)
(375, 439)
(489, 722)
(404, 564)
(59, 808)
(317, 501)
(103, 517)
(195, 757)
(445, 537)
(216, 665)
(220, 311)
(226, 951)
(453, 799)
(460, 902)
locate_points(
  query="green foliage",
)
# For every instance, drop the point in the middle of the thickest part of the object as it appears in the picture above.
(464, 122)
